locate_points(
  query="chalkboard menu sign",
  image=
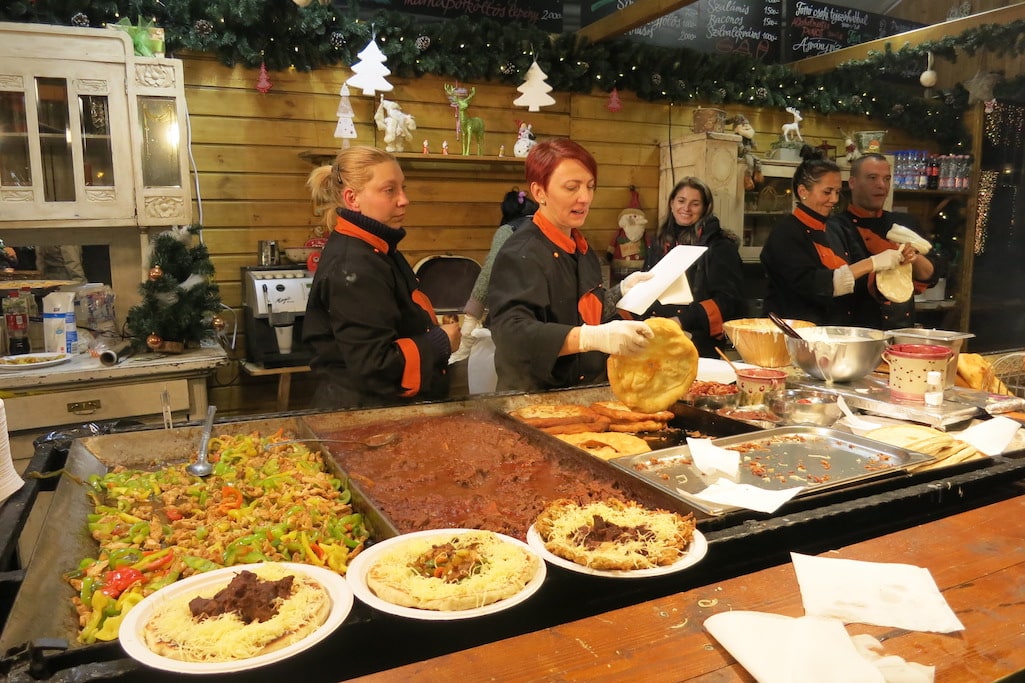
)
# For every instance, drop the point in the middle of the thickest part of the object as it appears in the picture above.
(768, 30)
(542, 14)
(817, 28)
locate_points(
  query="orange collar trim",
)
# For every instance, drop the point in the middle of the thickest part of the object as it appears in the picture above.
(864, 213)
(346, 228)
(573, 243)
(809, 219)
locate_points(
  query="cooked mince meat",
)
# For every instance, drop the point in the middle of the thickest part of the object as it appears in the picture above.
(251, 598)
(603, 531)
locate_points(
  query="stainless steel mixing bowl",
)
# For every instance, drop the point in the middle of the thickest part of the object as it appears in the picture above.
(837, 353)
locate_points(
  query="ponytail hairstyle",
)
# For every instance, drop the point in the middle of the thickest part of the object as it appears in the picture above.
(352, 168)
(812, 168)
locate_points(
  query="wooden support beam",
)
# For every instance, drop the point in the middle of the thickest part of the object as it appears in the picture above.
(638, 14)
(828, 62)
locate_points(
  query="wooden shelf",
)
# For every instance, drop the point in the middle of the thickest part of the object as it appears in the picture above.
(432, 162)
(931, 193)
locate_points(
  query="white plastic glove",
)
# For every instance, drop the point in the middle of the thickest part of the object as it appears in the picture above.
(467, 340)
(886, 260)
(619, 337)
(633, 279)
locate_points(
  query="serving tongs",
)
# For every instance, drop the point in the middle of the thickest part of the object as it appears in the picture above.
(784, 325)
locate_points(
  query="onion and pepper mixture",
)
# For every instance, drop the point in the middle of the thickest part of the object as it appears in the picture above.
(262, 503)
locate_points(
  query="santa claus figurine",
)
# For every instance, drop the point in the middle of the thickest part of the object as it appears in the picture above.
(629, 247)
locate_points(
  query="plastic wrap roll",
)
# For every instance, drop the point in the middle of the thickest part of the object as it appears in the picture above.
(112, 355)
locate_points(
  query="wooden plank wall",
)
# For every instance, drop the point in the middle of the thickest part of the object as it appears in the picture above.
(246, 148)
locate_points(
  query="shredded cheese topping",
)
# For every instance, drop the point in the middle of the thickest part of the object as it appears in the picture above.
(506, 570)
(226, 637)
(660, 539)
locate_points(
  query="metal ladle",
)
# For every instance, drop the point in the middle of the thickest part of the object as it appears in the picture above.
(202, 466)
(372, 441)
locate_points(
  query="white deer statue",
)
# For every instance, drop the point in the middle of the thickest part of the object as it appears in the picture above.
(793, 130)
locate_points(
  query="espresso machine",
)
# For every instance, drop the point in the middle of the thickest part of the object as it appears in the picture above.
(274, 302)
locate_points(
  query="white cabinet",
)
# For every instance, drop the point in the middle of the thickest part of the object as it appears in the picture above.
(90, 134)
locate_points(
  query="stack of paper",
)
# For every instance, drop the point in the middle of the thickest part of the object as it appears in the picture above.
(9, 479)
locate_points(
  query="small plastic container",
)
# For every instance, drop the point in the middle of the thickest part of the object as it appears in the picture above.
(934, 388)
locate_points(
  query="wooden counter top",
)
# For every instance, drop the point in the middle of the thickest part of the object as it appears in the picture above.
(84, 368)
(977, 559)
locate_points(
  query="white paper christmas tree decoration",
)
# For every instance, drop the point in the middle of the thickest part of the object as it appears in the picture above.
(346, 129)
(369, 72)
(535, 90)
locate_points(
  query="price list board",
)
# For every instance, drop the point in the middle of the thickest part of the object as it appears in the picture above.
(770, 31)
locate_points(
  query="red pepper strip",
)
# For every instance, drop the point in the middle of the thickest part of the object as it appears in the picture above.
(155, 560)
(117, 581)
(231, 498)
(318, 551)
(173, 513)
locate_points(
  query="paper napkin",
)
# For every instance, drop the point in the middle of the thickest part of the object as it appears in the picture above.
(778, 649)
(884, 594)
(668, 283)
(990, 436)
(712, 460)
(726, 492)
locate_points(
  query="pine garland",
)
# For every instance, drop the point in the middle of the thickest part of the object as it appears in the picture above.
(283, 35)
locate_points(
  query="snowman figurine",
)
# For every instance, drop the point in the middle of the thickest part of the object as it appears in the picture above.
(525, 140)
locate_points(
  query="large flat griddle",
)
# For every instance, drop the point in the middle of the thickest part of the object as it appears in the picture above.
(816, 458)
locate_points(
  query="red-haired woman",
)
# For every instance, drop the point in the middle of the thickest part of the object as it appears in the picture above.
(546, 298)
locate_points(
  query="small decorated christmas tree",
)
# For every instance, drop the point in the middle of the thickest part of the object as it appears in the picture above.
(179, 300)
(346, 128)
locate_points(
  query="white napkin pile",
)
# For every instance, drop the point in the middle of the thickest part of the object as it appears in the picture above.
(724, 465)
(817, 647)
(990, 436)
(9, 479)
(668, 283)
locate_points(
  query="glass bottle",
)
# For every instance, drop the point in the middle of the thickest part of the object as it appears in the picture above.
(16, 319)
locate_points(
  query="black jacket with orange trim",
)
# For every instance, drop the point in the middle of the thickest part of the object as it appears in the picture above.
(374, 333)
(800, 286)
(537, 291)
(716, 282)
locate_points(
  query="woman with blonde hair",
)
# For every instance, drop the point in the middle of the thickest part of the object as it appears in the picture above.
(375, 336)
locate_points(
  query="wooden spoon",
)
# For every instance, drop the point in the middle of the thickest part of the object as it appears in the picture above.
(728, 361)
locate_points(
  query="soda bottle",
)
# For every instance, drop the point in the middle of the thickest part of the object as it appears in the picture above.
(16, 319)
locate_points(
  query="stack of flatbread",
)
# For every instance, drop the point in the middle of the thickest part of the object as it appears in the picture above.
(946, 449)
(565, 418)
(606, 428)
(976, 372)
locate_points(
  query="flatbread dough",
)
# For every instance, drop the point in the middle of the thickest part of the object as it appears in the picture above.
(173, 632)
(606, 445)
(896, 284)
(660, 375)
(503, 571)
(619, 412)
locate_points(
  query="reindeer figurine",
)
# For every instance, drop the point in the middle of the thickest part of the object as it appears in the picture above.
(471, 127)
(793, 130)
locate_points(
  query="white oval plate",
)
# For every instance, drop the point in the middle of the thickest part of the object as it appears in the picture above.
(698, 549)
(360, 565)
(39, 360)
(133, 642)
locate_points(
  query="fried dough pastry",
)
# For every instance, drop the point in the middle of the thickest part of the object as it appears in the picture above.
(661, 374)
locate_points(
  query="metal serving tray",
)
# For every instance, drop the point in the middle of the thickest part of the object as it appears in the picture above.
(818, 458)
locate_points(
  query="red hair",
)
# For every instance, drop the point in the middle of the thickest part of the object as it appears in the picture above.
(546, 155)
